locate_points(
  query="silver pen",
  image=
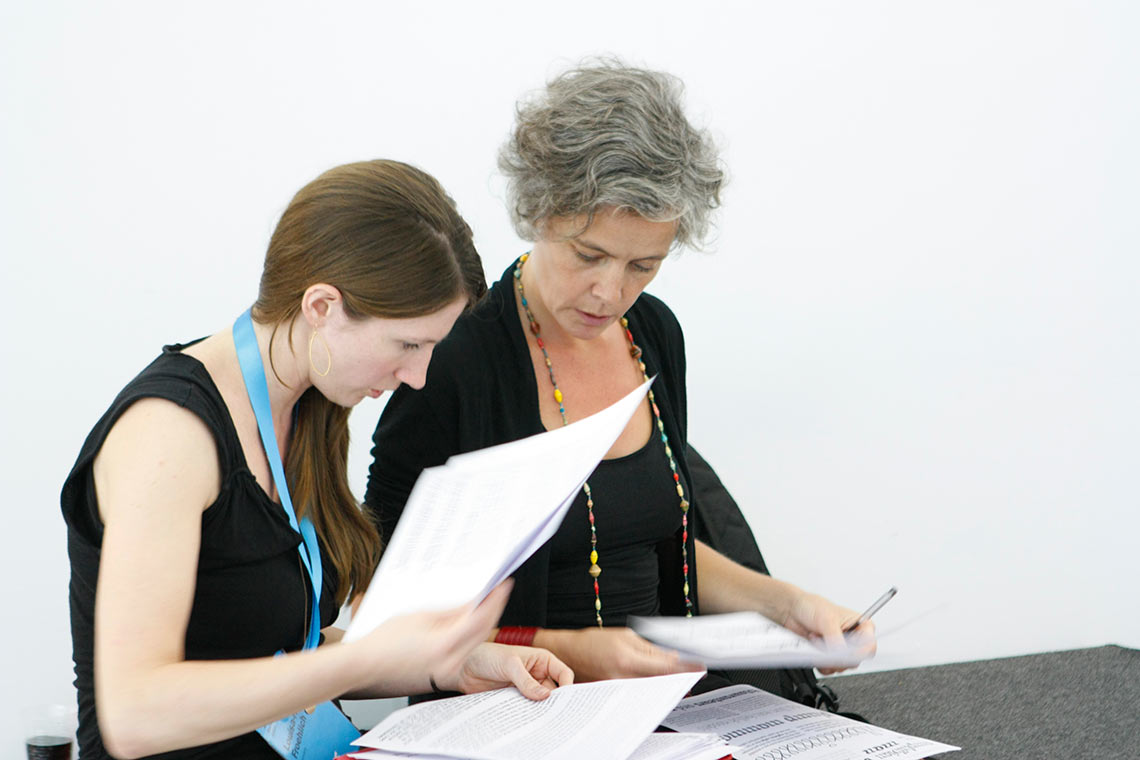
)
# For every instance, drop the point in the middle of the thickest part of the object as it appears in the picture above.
(872, 609)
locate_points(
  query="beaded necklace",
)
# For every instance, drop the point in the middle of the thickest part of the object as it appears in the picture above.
(595, 569)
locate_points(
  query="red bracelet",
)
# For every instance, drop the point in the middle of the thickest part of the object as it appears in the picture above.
(515, 635)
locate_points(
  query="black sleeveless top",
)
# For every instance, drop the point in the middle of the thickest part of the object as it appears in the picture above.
(251, 595)
(637, 513)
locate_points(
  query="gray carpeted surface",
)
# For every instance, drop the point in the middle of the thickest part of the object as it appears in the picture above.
(1079, 704)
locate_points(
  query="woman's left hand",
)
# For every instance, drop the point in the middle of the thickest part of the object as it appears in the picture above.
(730, 587)
(492, 666)
(813, 616)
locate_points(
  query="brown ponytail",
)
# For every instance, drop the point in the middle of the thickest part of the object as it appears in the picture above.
(389, 238)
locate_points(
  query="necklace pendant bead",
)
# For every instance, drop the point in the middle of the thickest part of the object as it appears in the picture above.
(595, 571)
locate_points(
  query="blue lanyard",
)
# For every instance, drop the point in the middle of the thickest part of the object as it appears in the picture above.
(253, 372)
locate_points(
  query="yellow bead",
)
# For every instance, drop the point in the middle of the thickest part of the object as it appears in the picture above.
(594, 556)
(686, 589)
(598, 605)
(558, 395)
(680, 491)
(524, 257)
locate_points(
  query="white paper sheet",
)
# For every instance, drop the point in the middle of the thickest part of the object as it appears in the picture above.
(665, 746)
(603, 720)
(763, 726)
(742, 640)
(472, 521)
(379, 754)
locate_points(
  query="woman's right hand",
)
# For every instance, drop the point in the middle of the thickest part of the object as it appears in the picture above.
(405, 653)
(597, 654)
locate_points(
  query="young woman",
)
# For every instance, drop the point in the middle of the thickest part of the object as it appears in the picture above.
(190, 571)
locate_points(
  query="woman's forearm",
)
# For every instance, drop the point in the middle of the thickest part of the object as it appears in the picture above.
(726, 586)
(189, 703)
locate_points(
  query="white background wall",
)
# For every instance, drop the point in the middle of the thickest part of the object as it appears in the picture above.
(913, 349)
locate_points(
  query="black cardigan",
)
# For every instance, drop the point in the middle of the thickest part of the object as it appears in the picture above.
(481, 391)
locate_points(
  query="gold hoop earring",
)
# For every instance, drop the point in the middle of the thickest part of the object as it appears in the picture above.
(312, 337)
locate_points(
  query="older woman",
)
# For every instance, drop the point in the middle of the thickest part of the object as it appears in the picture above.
(606, 176)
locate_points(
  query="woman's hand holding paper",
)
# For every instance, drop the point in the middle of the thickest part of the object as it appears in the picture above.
(596, 654)
(412, 650)
(533, 671)
(813, 616)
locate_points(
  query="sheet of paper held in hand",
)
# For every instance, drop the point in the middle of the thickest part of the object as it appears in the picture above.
(472, 521)
(744, 640)
(763, 726)
(603, 720)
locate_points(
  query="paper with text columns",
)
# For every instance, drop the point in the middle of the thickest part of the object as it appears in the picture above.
(472, 521)
(602, 720)
(746, 640)
(763, 726)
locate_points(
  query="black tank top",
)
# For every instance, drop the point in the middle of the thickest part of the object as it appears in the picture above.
(637, 513)
(251, 595)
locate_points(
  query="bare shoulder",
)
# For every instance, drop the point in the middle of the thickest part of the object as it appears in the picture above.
(156, 451)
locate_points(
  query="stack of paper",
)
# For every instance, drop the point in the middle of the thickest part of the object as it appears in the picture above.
(744, 640)
(612, 720)
(447, 550)
(765, 726)
(604, 720)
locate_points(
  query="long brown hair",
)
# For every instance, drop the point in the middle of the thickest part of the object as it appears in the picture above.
(388, 237)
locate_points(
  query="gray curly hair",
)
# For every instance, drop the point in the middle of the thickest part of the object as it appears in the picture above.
(606, 134)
